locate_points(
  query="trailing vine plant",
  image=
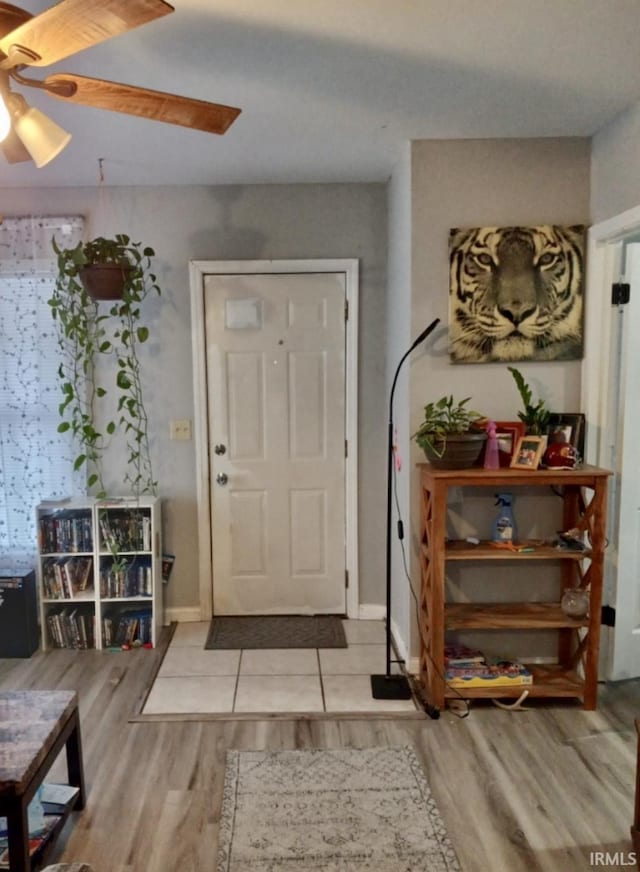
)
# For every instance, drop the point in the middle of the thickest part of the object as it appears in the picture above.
(85, 333)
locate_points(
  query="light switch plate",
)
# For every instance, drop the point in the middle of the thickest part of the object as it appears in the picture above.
(180, 429)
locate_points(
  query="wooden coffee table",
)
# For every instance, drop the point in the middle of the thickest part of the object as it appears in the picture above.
(34, 726)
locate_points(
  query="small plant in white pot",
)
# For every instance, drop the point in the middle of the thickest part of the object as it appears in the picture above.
(451, 435)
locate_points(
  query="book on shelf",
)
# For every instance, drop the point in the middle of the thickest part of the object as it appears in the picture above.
(461, 655)
(57, 798)
(498, 673)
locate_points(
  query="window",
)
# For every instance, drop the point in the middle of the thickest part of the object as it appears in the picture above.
(35, 460)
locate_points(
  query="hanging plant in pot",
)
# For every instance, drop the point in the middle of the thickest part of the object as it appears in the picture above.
(451, 435)
(87, 333)
(106, 267)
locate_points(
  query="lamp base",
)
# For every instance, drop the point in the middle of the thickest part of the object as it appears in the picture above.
(390, 687)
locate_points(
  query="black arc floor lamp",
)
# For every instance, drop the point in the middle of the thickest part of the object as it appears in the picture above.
(390, 686)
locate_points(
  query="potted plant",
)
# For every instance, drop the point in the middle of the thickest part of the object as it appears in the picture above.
(535, 417)
(451, 435)
(107, 266)
(85, 334)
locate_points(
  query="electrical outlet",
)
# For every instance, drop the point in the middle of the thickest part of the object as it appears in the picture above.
(180, 429)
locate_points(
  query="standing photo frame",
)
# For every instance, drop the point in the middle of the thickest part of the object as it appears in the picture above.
(508, 433)
(528, 452)
(572, 425)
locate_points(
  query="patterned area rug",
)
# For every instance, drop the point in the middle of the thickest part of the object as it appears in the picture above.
(277, 631)
(342, 810)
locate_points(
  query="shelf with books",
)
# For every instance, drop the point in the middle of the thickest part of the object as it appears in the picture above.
(129, 572)
(123, 567)
(66, 528)
(550, 680)
(55, 803)
(70, 626)
(575, 674)
(127, 625)
(67, 577)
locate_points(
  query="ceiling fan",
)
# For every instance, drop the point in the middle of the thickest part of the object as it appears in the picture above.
(60, 31)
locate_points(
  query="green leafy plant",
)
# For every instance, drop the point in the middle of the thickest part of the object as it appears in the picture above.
(119, 250)
(446, 417)
(88, 332)
(535, 416)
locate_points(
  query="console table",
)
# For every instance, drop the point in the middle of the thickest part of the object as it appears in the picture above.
(34, 726)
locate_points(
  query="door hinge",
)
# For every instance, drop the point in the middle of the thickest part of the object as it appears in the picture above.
(346, 448)
(346, 310)
(608, 617)
(620, 293)
(346, 578)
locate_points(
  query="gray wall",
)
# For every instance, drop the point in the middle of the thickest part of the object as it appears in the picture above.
(398, 341)
(474, 183)
(208, 223)
(615, 166)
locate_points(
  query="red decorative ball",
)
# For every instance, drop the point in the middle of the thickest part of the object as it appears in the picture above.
(560, 455)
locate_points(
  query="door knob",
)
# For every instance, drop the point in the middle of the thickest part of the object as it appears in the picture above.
(220, 448)
(222, 478)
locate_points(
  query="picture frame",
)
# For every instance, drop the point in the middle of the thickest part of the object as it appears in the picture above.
(573, 426)
(528, 452)
(508, 433)
(485, 301)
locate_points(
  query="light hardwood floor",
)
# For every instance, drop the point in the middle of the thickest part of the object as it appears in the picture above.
(534, 790)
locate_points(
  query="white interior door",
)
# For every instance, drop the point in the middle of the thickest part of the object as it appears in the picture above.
(275, 363)
(625, 503)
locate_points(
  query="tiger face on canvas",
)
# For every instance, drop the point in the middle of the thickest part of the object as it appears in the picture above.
(516, 293)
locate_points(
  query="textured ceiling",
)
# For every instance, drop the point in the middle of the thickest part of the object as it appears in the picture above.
(330, 89)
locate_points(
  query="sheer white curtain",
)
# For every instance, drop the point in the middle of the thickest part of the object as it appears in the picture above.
(35, 460)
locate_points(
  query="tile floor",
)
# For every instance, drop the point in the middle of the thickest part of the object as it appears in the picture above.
(192, 680)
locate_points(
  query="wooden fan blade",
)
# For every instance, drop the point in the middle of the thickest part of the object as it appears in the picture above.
(198, 114)
(13, 149)
(72, 25)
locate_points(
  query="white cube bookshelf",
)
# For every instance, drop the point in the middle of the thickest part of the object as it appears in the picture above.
(99, 572)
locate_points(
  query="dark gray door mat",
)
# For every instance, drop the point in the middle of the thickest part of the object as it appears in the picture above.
(276, 631)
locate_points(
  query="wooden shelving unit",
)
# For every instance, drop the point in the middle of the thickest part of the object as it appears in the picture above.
(575, 675)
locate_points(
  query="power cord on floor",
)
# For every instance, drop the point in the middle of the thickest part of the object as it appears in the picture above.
(465, 711)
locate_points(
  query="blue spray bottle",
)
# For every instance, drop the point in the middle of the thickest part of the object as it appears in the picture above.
(504, 526)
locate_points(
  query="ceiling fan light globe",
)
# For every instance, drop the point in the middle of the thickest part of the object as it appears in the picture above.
(5, 120)
(42, 137)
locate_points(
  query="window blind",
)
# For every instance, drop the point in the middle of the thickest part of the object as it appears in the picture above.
(35, 460)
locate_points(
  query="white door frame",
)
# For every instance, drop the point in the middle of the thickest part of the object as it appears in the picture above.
(198, 269)
(604, 259)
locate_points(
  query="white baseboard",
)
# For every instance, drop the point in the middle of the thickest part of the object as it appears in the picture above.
(371, 612)
(181, 614)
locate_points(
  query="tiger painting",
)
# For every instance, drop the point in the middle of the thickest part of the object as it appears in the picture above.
(516, 293)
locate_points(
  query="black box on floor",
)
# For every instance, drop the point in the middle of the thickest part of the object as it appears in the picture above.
(19, 636)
